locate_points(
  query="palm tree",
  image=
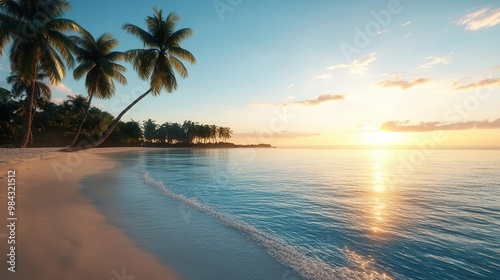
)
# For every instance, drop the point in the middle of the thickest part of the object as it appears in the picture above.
(35, 29)
(41, 91)
(150, 128)
(98, 63)
(157, 62)
(76, 103)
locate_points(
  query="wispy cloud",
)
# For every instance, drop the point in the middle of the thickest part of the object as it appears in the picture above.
(289, 88)
(479, 84)
(325, 77)
(433, 60)
(308, 102)
(5, 68)
(399, 82)
(320, 99)
(281, 135)
(406, 23)
(405, 126)
(359, 66)
(494, 68)
(384, 31)
(483, 18)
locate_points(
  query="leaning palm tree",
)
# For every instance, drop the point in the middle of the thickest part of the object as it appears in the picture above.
(35, 30)
(41, 94)
(157, 62)
(98, 63)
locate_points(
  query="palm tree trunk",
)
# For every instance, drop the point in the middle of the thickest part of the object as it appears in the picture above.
(110, 129)
(82, 121)
(31, 132)
(29, 106)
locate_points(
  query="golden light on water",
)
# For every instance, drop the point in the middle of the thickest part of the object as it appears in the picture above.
(379, 193)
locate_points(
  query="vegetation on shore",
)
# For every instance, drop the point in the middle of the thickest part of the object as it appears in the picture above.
(43, 45)
(54, 125)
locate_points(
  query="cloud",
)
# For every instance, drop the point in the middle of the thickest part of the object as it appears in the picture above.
(480, 19)
(5, 69)
(320, 99)
(494, 68)
(289, 88)
(399, 82)
(308, 102)
(432, 60)
(384, 31)
(405, 126)
(359, 66)
(325, 77)
(281, 135)
(479, 84)
(60, 88)
(58, 101)
(407, 23)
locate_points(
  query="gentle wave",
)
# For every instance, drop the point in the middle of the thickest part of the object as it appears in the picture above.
(307, 267)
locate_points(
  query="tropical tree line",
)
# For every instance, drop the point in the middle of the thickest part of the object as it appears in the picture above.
(54, 125)
(43, 45)
(187, 132)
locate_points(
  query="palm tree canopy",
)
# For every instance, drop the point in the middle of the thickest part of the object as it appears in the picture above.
(35, 29)
(162, 54)
(98, 62)
(20, 87)
(76, 102)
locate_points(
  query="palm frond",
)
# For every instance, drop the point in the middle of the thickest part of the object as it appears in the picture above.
(178, 36)
(182, 54)
(179, 67)
(82, 69)
(143, 35)
(12, 8)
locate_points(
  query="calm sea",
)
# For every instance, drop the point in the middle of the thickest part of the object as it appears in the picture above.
(294, 214)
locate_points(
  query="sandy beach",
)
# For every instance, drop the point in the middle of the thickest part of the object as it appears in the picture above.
(59, 234)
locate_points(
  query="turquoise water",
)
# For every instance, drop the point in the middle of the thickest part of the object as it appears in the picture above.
(294, 214)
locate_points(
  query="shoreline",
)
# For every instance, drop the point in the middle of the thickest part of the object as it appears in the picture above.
(59, 232)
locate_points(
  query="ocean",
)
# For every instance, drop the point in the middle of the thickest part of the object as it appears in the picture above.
(292, 214)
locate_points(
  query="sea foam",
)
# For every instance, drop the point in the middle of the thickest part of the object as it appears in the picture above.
(307, 267)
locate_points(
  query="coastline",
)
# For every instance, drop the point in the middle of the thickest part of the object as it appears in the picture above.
(59, 233)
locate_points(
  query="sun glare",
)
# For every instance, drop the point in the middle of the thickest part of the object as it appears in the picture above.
(381, 138)
(373, 136)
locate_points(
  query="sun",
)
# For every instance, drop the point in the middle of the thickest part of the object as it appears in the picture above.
(373, 136)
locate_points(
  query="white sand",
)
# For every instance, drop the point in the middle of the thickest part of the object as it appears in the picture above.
(59, 233)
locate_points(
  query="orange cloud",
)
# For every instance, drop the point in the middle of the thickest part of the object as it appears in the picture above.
(405, 126)
(399, 82)
(479, 84)
(320, 99)
(277, 135)
(308, 102)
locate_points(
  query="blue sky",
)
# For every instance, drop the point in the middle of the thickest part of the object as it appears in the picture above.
(395, 87)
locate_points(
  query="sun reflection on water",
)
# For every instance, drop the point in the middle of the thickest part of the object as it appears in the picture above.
(379, 193)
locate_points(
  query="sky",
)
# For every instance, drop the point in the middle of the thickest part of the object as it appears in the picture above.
(319, 73)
